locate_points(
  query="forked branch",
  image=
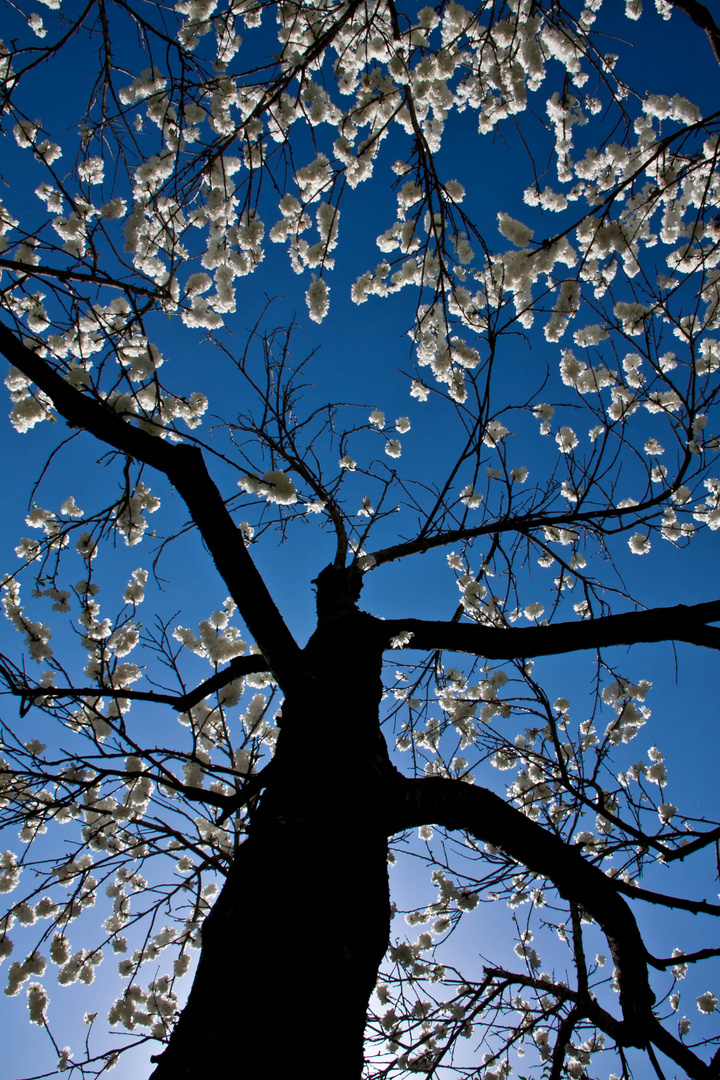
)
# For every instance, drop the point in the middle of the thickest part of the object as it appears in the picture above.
(186, 470)
(236, 669)
(455, 805)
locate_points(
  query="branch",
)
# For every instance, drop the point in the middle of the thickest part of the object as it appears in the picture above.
(701, 16)
(696, 906)
(684, 958)
(185, 468)
(95, 278)
(590, 1007)
(454, 804)
(565, 1031)
(522, 524)
(679, 623)
(239, 666)
(228, 804)
(679, 1053)
(699, 842)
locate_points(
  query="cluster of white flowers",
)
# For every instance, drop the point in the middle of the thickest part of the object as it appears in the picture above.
(9, 872)
(470, 498)
(29, 406)
(485, 65)
(37, 635)
(621, 696)
(130, 518)
(135, 590)
(275, 486)
(20, 971)
(639, 544)
(217, 640)
(317, 299)
(153, 1008)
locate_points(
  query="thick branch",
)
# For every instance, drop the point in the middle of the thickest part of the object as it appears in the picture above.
(696, 906)
(686, 958)
(699, 842)
(457, 805)
(679, 623)
(185, 467)
(701, 16)
(682, 1055)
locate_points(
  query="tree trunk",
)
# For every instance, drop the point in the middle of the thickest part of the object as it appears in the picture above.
(289, 959)
(292, 946)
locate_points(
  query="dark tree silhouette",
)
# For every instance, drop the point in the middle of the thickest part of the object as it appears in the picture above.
(294, 768)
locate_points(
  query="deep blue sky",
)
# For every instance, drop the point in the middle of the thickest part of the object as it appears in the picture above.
(361, 354)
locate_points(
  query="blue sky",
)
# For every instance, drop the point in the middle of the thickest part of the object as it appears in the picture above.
(361, 354)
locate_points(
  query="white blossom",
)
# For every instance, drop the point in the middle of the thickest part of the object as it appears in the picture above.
(494, 433)
(275, 486)
(281, 489)
(317, 299)
(470, 498)
(639, 544)
(707, 1002)
(566, 439)
(514, 231)
(37, 1003)
(71, 508)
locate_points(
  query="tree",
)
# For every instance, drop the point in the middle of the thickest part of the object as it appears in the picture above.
(294, 765)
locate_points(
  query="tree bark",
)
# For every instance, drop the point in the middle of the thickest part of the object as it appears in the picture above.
(289, 958)
(292, 947)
